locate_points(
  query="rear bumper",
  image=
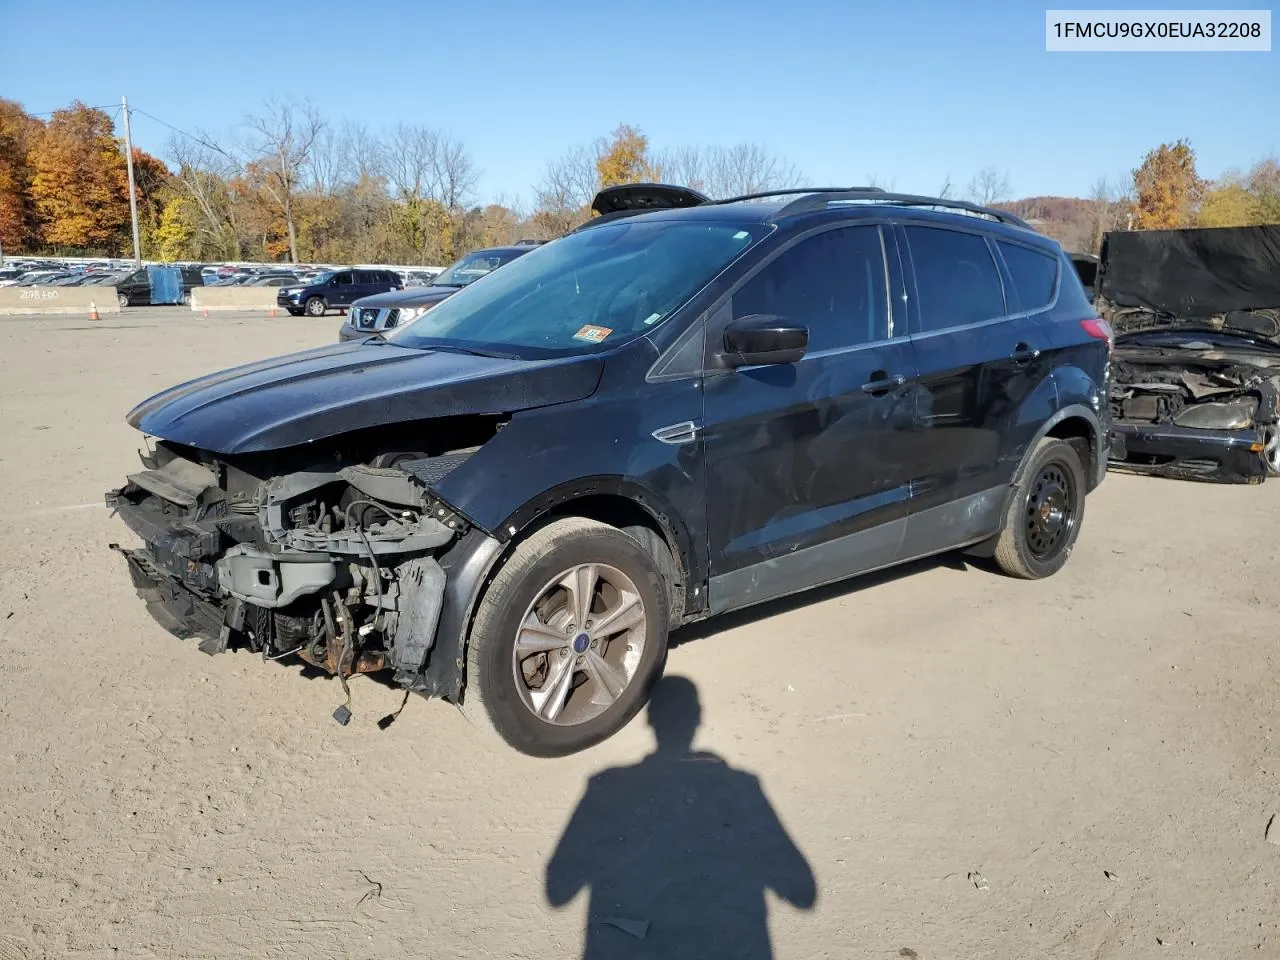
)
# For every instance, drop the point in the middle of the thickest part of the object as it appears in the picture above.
(1187, 453)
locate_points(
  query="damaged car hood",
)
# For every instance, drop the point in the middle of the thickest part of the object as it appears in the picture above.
(1224, 279)
(307, 396)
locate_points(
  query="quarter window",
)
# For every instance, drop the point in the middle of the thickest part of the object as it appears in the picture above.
(956, 280)
(833, 283)
(1034, 274)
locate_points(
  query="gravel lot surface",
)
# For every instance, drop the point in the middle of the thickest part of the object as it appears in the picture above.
(968, 766)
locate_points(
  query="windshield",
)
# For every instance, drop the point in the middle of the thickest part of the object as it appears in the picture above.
(470, 269)
(600, 286)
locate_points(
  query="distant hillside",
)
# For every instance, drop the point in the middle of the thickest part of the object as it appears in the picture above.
(1072, 221)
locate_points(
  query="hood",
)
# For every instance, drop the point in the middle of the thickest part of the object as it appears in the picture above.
(645, 197)
(1193, 274)
(412, 297)
(308, 396)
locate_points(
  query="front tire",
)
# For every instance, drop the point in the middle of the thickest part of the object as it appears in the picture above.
(122, 299)
(568, 640)
(316, 307)
(1045, 512)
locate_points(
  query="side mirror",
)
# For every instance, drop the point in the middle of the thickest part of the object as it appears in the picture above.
(762, 338)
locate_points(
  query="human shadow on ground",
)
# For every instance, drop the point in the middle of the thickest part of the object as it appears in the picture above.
(677, 850)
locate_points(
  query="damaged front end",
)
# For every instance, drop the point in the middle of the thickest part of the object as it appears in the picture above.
(1195, 404)
(338, 564)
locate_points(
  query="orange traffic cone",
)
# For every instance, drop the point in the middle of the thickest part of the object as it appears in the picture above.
(273, 311)
(93, 311)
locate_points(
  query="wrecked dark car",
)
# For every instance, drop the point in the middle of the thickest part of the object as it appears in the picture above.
(1196, 371)
(511, 501)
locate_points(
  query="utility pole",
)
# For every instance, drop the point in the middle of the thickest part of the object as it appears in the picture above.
(133, 197)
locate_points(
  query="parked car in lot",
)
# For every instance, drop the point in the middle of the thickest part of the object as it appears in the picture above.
(337, 289)
(1196, 313)
(385, 311)
(157, 285)
(510, 501)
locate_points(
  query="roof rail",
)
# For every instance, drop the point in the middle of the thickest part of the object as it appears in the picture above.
(797, 190)
(818, 200)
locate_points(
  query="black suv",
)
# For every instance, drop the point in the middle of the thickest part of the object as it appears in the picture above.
(337, 289)
(386, 311)
(511, 501)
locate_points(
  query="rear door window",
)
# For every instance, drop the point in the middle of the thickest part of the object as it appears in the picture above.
(1035, 274)
(833, 283)
(957, 281)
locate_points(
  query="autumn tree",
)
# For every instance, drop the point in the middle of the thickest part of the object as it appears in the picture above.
(624, 157)
(17, 212)
(1167, 187)
(174, 236)
(1263, 184)
(282, 140)
(78, 184)
(1226, 203)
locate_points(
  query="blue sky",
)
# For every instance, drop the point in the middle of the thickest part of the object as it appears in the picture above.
(911, 92)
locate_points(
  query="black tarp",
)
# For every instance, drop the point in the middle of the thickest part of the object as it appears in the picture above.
(1193, 273)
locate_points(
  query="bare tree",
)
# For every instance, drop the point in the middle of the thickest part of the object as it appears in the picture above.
(1110, 206)
(876, 181)
(568, 183)
(989, 186)
(684, 165)
(749, 168)
(362, 152)
(454, 173)
(204, 168)
(727, 171)
(282, 140)
(328, 168)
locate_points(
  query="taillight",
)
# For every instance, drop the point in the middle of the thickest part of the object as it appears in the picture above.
(1099, 329)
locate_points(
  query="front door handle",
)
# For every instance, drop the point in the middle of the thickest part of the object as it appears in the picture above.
(880, 382)
(1024, 353)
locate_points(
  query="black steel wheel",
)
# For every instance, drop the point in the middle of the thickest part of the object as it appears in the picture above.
(1045, 512)
(1050, 510)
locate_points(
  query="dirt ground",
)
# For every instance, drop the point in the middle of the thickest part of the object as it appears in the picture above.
(967, 765)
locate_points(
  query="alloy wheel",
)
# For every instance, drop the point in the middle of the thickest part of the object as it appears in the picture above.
(579, 644)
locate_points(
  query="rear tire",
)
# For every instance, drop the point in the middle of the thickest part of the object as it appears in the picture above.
(316, 307)
(504, 688)
(1045, 512)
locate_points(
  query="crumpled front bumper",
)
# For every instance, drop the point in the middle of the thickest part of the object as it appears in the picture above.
(1189, 453)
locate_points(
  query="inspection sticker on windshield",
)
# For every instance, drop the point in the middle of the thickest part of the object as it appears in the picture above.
(592, 333)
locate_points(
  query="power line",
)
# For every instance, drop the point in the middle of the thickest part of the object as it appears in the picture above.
(50, 113)
(189, 136)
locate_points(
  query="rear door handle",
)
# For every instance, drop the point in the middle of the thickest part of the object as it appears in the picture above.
(882, 383)
(1024, 353)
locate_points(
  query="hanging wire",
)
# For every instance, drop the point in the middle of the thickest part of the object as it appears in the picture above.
(181, 132)
(50, 113)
